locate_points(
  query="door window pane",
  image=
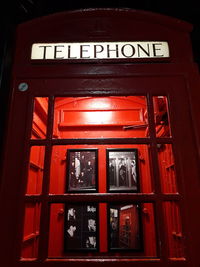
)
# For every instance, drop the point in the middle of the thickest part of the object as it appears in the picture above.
(161, 116)
(39, 124)
(60, 165)
(82, 170)
(35, 170)
(100, 117)
(122, 174)
(174, 234)
(125, 227)
(73, 228)
(132, 228)
(31, 231)
(81, 227)
(101, 229)
(167, 168)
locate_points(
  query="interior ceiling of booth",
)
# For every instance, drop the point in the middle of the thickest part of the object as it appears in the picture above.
(23, 10)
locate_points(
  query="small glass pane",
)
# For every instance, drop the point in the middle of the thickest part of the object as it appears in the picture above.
(82, 170)
(149, 231)
(125, 227)
(114, 229)
(132, 229)
(167, 168)
(174, 232)
(31, 231)
(161, 116)
(36, 170)
(123, 168)
(73, 228)
(100, 117)
(39, 125)
(60, 166)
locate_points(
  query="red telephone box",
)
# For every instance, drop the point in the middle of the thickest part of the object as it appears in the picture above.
(101, 157)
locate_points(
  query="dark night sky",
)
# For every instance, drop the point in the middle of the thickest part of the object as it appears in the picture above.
(18, 11)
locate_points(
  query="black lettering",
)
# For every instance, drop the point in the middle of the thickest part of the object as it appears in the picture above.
(123, 50)
(112, 50)
(69, 53)
(142, 48)
(97, 51)
(45, 49)
(57, 51)
(156, 49)
(82, 50)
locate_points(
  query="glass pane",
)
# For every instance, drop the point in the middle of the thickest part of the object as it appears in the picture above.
(39, 125)
(125, 232)
(102, 229)
(149, 232)
(60, 167)
(36, 170)
(174, 233)
(161, 116)
(100, 117)
(82, 170)
(123, 170)
(73, 228)
(167, 168)
(31, 231)
(132, 228)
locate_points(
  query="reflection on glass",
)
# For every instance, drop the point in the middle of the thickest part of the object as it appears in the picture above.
(174, 230)
(39, 125)
(122, 170)
(167, 168)
(161, 116)
(31, 231)
(100, 117)
(125, 228)
(36, 170)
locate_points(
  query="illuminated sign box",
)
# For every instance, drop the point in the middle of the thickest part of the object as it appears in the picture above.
(99, 50)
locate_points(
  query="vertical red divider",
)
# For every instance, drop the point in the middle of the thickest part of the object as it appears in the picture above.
(103, 229)
(103, 246)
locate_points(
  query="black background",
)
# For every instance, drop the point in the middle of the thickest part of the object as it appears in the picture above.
(13, 12)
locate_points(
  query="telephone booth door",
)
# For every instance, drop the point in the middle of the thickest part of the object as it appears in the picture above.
(101, 167)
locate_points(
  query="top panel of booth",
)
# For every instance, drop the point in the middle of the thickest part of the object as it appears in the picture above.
(101, 29)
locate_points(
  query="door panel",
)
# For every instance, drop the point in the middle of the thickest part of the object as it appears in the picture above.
(36, 202)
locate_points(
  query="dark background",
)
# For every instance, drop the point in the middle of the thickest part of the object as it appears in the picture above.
(13, 12)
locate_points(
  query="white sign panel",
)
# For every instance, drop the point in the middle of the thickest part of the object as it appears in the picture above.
(99, 50)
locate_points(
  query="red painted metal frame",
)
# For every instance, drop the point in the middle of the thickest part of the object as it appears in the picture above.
(178, 80)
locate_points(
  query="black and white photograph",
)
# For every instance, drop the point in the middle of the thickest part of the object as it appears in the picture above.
(81, 225)
(122, 170)
(82, 170)
(125, 227)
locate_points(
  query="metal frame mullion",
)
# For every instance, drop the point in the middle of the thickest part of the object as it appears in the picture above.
(158, 208)
(45, 213)
(91, 141)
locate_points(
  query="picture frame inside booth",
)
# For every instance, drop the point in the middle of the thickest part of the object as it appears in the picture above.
(81, 227)
(82, 170)
(122, 170)
(125, 230)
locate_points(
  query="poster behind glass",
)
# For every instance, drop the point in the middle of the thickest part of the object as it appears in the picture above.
(122, 170)
(82, 170)
(125, 227)
(81, 227)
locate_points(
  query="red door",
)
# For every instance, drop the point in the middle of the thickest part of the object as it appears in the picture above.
(137, 199)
